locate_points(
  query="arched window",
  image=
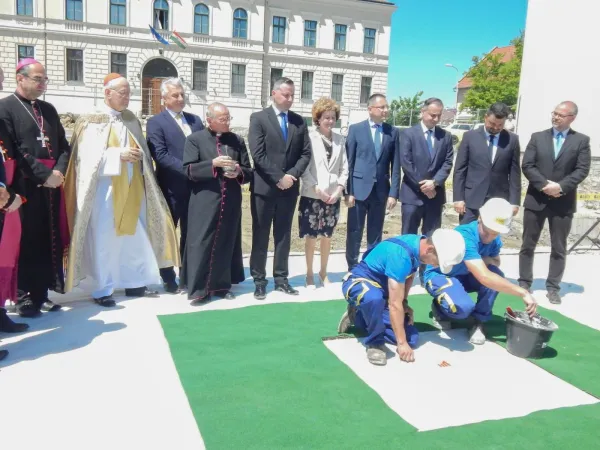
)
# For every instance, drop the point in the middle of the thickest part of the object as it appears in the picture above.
(201, 19)
(240, 24)
(161, 14)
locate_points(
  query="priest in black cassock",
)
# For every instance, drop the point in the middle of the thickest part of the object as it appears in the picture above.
(216, 161)
(42, 154)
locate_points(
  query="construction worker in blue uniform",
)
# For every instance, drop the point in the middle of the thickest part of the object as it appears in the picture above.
(377, 290)
(479, 272)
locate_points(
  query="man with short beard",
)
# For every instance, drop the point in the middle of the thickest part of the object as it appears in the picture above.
(121, 226)
(42, 153)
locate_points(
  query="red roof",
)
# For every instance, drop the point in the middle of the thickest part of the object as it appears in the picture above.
(507, 53)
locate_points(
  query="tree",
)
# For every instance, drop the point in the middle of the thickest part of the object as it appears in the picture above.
(494, 80)
(405, 110)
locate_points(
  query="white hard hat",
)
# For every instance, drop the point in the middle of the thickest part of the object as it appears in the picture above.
(450, 248)
(497, 215)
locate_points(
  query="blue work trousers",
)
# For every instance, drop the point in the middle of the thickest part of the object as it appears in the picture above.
(373, 314)
(452, 298)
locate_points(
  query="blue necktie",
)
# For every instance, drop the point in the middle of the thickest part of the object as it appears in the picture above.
(558, 144)
(377, 140)
(430, 142)
(491, 147)
(283, 125)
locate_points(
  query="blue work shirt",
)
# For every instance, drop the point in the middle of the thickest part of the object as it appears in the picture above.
(390, 260)
(474, 249)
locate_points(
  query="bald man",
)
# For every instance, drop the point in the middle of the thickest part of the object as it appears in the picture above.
(556, 161)
(122, 231)
(34, 131)
(217, 164)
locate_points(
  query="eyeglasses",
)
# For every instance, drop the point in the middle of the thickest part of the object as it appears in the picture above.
(562, 116)
(225, 119)
(39, 80)
(122, 93)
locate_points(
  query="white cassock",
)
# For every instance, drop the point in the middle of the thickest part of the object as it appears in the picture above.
(117, 262)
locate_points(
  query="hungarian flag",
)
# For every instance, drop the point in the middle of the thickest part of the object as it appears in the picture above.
(177, 39)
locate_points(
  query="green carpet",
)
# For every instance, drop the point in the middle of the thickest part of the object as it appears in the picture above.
(261, 378)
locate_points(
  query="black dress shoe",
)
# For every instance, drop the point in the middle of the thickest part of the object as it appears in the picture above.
(199, 300)
(106, 301)
(171, 287)
(260, 292)
(28, 308)
(141, 292)
(8, 326)
(49, 306)
(286, 288)
(3, 354)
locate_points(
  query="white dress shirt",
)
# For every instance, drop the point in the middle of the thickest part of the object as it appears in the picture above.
(180, 119)
(564, 136)
(487, 140)
(279, 118)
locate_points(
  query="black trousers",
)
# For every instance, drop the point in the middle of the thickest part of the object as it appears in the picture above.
(560, 227)
(373, 211)
(179, 213)
(278, 211)
(470, 215)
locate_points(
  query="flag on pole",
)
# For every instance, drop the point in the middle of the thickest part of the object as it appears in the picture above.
(158, 37)
(175, 37)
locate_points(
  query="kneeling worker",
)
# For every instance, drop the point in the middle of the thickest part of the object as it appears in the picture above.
(479, 272)
(377, 289)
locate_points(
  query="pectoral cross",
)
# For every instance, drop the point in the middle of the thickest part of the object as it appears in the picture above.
(42, 138)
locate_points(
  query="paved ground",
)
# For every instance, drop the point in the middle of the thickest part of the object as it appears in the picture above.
(94, 379)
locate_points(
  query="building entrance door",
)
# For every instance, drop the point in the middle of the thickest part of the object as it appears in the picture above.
(155, 71)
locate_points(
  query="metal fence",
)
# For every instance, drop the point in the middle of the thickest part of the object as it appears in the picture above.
(410, 117)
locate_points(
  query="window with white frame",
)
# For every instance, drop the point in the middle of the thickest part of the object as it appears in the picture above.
(74, 65)
(307, 85)
(25, 51)
(369, 45)
(201, 19)
(200, 76)
(25, 7)
(276, 74)
(74, 10)
(240, 24)
(339, 42)
(365, 89)
(118, 63)
(337, 87)
(238, 79)
(161, 14)
(310, 33)
(279, 25)
(118, 12)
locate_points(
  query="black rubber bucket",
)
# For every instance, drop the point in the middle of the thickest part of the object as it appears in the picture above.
(525, 338)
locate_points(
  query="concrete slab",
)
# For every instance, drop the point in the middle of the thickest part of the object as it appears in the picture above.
(93, 378)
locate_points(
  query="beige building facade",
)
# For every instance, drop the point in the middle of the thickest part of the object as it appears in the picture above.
(232, 50)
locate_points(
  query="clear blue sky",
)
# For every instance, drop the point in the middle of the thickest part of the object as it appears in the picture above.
(426, 34)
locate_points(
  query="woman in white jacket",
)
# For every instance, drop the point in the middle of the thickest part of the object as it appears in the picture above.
(323, 185)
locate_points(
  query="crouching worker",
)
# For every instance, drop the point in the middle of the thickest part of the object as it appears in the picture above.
(377, 289)
(479, 272)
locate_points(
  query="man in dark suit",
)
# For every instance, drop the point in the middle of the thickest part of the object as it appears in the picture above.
(373, 149)
(556, 161)
(281, 151)
(426, 155)
(487, 165)
(166, 134)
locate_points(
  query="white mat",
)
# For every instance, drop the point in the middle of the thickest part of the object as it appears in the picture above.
(481, 382)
